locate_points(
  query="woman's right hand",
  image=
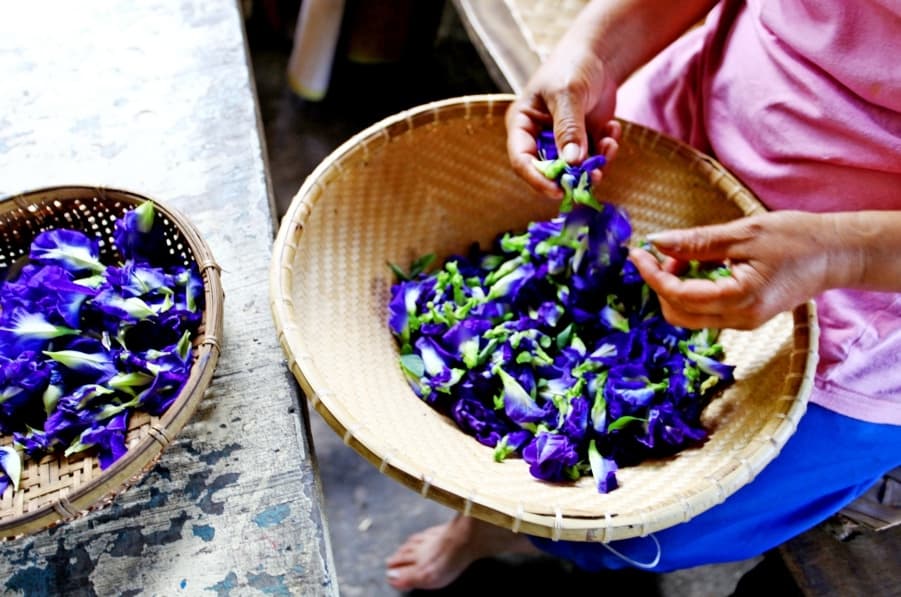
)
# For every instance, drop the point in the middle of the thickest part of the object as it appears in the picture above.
(576, 86)
(573, 93)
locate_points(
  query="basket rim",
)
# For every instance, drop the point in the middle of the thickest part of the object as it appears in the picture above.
(142, 456)
(737, 472)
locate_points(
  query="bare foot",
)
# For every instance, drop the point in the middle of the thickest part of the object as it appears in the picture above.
(435, 557)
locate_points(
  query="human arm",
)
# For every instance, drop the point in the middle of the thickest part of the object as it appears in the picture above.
(777, 260)
(576, 86)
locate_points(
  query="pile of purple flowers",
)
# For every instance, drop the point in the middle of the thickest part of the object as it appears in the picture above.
(83, 344)
(551, 347)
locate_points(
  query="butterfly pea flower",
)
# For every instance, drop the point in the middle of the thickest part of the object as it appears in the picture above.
(161, 393)
(476, 384)
(464, 338)
(628, 388)
(402, 306)
(607, 238)
(598, 413)
(558, 385)
(140, 236)
(21, 330)
(21, 380)
(10, 467)
(69, 249)
(570, 177)
(32, 441)
(175, 321)
(118, 307)
(439, 375)
(518, 403)
(433, 329)
(435, 359)
(613, 319)
(543, 230)
(546, 145)
(109, 439)
(719, 371)
(508, 285)
(84, 396)
(679, 385)
(143, 281)
(630, 276)
(191, 282)
(551, 169)
(549, 455)
(158, 376)
(50, 290)
(603, 469)
(611, 350)
(55, 389)
(668, 431)
(173, 358)
(68, 420)
(515, 244)
(99, 364)
(575, 419)
(575, 184)
(557, 259)
(512, 443)
(481, 422)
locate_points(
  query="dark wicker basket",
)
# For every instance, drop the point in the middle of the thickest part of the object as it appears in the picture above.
(58, 488)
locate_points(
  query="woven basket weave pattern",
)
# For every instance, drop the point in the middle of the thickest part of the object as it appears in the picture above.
(58, 488)
(434, 180)
(543, 22)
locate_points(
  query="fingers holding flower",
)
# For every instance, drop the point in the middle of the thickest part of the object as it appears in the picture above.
(774, 264)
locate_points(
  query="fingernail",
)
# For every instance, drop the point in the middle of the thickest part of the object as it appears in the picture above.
(571, 153)
(662, 238)
(392, 574)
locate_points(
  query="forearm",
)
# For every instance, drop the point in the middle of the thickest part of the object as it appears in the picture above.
(865, 250)
(625, 34)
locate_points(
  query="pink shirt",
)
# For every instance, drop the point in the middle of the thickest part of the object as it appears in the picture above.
(801, 99)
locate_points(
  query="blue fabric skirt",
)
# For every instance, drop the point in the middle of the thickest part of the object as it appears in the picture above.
(829, 461)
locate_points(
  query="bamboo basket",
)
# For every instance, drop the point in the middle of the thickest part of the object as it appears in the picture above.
(435, 179)
(57, 488)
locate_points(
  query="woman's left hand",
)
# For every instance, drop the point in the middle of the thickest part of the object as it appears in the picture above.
(777, 261)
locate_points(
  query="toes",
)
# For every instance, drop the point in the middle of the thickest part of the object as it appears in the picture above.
(419, 576)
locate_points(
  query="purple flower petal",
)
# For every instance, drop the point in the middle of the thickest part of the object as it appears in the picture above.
(69, 249)
(548, 456)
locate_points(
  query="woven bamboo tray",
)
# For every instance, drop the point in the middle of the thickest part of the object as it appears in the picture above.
(436, 178)
(58, 488)
(542, 23)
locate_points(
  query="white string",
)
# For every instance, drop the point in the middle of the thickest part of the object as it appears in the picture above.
(636, 563)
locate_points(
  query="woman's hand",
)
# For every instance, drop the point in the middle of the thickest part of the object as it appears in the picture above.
(574, 90)
(573, 94)
(777, 260)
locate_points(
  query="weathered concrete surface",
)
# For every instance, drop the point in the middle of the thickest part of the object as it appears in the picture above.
(157, 97)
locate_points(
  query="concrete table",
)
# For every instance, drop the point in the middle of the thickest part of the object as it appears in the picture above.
(157, 97)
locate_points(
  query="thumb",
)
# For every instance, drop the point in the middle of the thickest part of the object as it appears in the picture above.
(705, 243)
(569, 127)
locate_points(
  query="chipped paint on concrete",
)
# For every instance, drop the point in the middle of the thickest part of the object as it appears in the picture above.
(272, 516)
(269, 584)
(204, 531)
(224, 587)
